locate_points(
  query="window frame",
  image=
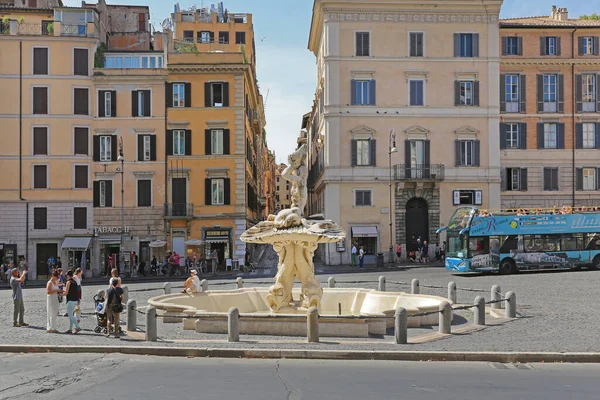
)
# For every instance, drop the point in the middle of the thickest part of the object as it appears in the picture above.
(512, 135)
(515, 181)
(147, 147)
(137, 191)
(550, 170)
(410, 47)
(178, 135)
(512, 43)
(74, 103)
(591, 135)
(362, 32)
(75, 153)
(365, 85)
(47, 166)
(212, 94)
(550, 86)
(593, 178)
(363, 192)
(588, 45)
(47, 60)
(548, 140)
(410, 82)
(88, 61)
(467, 146)
(102, 193)
(471, 90)
(33, 153)
(470, 52)
(107, 104)
(216, 145)
(87, 180)
(75, 227)
(588, 80)
(218, 184)
(237, 40)
(550, 43)
(359, 144)
(512, 88)
(140, 101)
(36, 86)
(107, 139)
(180, 93)
(35, 219)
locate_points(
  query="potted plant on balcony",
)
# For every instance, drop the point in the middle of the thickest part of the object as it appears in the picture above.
(50, 28)
(21, 19)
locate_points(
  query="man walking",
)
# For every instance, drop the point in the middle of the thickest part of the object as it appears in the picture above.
(354, 252)
(361, 257)
(17, 293)
(215, 260)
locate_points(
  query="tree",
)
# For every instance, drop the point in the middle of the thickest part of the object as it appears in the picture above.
(593, 16)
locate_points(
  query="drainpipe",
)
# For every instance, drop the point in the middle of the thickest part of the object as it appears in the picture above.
(166, 155)
(21, 150)
(573, 109)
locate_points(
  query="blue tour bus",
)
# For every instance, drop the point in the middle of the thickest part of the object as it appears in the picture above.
(507, 242)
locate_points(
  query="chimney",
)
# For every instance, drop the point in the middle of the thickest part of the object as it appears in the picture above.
(563, 14)
(553, 15)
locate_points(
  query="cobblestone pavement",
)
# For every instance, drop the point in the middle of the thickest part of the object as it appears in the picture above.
(557, 313)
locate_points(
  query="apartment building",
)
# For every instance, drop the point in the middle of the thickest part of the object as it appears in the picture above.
(410, 82)
(550, 111)
(282, 190)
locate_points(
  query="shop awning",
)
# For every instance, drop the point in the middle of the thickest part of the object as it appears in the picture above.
(194, 242)
(216, 240)
(364, 231)
(76, 243)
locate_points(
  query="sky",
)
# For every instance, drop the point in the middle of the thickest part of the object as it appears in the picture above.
(286, 69)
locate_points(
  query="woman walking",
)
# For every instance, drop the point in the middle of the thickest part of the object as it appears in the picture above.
(72, 294)
(78, 277)
(52, 290)
(114, 306)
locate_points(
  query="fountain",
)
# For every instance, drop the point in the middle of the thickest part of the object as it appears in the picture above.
(295, 240)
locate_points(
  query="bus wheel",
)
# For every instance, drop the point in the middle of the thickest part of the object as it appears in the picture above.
(508, 267)
(595, 263)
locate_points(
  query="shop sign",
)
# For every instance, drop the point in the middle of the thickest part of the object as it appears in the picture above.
(110, 229)
(210, 234)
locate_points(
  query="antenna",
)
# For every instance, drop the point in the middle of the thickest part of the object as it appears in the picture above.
(267, 97)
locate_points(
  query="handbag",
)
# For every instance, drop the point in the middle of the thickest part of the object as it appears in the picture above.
(117, 307)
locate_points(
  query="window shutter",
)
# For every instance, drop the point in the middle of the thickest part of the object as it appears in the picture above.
(146, 97)
(152, 147)
(113, 147)
(457, 152)
(579, 179)
(523, 179)
(579, 135)
(96, 148)
(476, 93)
(476, 153)
(457, 93)
(547, 178)
(558, 45)
(504, 45)
(579, 92)
(519, 46)
(188, 95)
(597, 135)
(108, 193)
(597, 92)
(134, 103)
(560, 88)
(113, 103)
(503, 128)
(226, 141)
(503, 92)
(353, 152)
(476, 45)
(366, 42)
(457, 45)
(96, 192)
(225, 94)
(227, 191)
(540, 93)
(407, 159)
(140, 146)
(596, 46)
(580, 45)
(207, 95)
(560, 136)
(543, 46)
(523, 93)
(597, 178)
(540, 135)
(169, 144)
(169, 94)
(523, 136)
(188, 142)
(373, 152)
(353, 99)
(101, 104)
(420, 45)
(503, 182)
(207, 142)
(426, 159)
(207, 192)
(372, 92)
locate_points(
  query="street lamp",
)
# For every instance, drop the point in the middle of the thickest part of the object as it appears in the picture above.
(392, 149)
(121, 158)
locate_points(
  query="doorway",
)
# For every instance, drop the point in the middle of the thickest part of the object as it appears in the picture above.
(179, 196)
(222, 251)
(43, 251)
(417, 222)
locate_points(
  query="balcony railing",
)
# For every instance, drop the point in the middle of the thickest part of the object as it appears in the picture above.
(432, 172)
(27, 29)
(179, 210)
(73, 30)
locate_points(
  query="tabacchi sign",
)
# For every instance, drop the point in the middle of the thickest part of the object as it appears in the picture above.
(110, 229)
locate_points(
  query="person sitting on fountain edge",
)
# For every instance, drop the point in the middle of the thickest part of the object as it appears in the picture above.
(192, 284)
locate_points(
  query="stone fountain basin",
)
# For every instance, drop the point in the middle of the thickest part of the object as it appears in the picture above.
(212, 306)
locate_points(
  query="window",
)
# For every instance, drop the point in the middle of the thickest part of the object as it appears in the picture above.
(140, 103)
(549, 88)
(40, 218)
(467, 153)
(216, 140)
(107, 103)
(144, 195)
(40, 141)
(512, 136)
(178, 95)
(40, 177)
(363, 92)
(550, 46)
(416, 93)
(362, 198)
(550, 137)
(588, 86)
(40, 100)
(416, 44)
(146, 148)
(363, 156)
(179, 143)
(217, 95)
(512, 93)
(81, 146)
(466, 45)
(206, 37)
(105, 148)
(589, 136)
(467, 197)
(136, 62)
(224, 37)
(240, 38)
(103, 194)
(550, 179)
(141, 22)
(80, 218)
(81, 101)
(40, 61)
(513, 176)
(81, 177)
(80, 62)
(512, 46)
(217, 192)
(466, 93)
(362, 44)
(188, 36)
(589, 178)
(588, 46)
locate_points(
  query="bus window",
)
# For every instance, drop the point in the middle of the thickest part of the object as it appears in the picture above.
(478, 246)
(571, 242)
(509, 243)
(542, 243)
(593, 241)
(457, 246)
(495, 244)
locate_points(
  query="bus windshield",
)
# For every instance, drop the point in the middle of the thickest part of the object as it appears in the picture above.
(457, 245)
(461, 219)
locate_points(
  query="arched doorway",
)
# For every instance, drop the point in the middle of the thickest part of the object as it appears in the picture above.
(417, 222)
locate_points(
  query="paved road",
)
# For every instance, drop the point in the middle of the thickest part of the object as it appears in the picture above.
(83, 377)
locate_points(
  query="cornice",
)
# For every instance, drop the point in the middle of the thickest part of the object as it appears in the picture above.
(195, 68)
(561, 62)
(404, 17)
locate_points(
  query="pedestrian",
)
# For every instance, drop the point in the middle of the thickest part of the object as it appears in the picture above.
(61, 284)
(24, 266)
(353, 254)
(419, 253)
(444, 250)
(72, 295)
(17, 294)
(114, 306)
(214, 255)
(399, 251)
(154, 266)
(192, 284)
(4, 272)
(425, 252)
(52, 291)
(58, 262)
(361, 257)
(114, 275)
(78, 277)
(51, 265)
(110, 264)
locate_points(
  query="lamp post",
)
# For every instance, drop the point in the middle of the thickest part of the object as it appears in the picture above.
(392, 149)
(122, 159)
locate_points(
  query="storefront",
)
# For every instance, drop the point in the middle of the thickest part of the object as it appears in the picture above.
(8, 252)
(217, 239)
(77, 253)
(367, 237)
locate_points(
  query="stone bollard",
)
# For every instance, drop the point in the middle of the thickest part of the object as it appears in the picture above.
(510, 308)
(452, 292)
(381, 286)
(125, 294)
(240, 283)
(401, 325)
(479, 311)
(167, 287)
(445, 322)
(204, 285)
(233, 325)
(131, 315)
(331, 282)
(496, 295)
(151, 329)
(100, 294)
(312, 325)
(414, 286)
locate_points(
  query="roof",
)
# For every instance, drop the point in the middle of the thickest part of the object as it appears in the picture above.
(548, 21)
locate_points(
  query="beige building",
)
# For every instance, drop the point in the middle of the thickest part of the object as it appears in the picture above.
(282, 190)
(550, 111)
(431, 76)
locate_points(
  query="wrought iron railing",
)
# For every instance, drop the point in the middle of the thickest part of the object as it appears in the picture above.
(73, 30)
(179, 210)
(25, 28)
(434, 172)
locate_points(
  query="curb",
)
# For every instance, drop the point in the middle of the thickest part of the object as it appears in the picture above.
(499, 357)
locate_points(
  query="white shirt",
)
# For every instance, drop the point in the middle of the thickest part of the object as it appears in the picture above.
(77, 279)
(109, 284)
(196, 283)
(353, 249)
(361, 252)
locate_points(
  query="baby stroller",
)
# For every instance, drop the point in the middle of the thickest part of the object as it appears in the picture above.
(101, 316)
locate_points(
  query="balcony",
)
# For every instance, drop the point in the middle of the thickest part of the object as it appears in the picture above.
(419, 172)
(179, 210)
